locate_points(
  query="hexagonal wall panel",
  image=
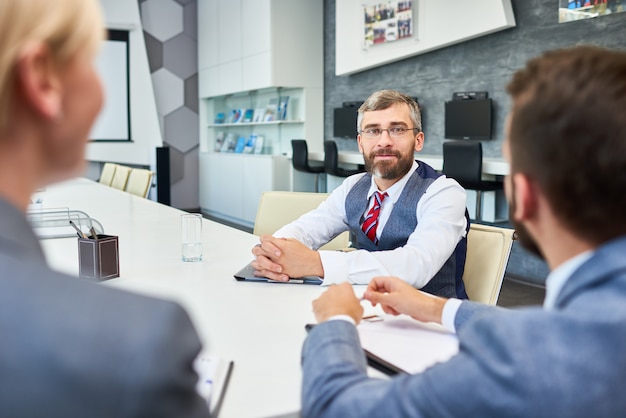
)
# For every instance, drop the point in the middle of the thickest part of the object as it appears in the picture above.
(177, 165)
(163, 19)
(182, 129)
(168, 91)
(179, 56)
(186, 192)
(191, 92)
(155, 51)
(190, 19)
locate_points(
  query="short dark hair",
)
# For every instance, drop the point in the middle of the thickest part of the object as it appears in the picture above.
(568, 133)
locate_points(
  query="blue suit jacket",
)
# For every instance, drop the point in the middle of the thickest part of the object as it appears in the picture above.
(568, 362)
(70, 348)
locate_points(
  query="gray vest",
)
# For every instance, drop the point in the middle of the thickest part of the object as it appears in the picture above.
(402, 222)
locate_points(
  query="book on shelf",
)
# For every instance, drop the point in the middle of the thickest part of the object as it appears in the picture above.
(239, 115)
(220, 117)
(233, 116)
(249, 147)
(214, 374)
(271, 111)
(248, 115)
(258, 114)
(258, 144)
(219, 141)
(283, 101)
(241, 143)
(230, 142)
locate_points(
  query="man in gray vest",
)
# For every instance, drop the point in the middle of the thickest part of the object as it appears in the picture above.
(408, 220)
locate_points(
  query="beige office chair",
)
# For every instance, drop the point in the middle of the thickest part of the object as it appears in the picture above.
(277, 209)
(488, 250)
(139, 181)
(121, 177)
(107, 174)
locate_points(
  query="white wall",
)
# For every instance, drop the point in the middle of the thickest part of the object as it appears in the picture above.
(144, 122)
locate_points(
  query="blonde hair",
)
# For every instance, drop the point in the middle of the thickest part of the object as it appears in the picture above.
(67, 27)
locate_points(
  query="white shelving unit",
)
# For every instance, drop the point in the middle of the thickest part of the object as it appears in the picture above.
(250, 52)
(277, 133)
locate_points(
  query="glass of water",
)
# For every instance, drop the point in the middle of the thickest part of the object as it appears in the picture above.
(191, 236)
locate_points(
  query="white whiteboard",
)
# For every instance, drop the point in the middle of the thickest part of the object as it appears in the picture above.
(113, 122)
(437, 23)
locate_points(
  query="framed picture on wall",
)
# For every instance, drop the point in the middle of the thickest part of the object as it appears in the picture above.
(387, 22)
(572, 10)
(370, 33)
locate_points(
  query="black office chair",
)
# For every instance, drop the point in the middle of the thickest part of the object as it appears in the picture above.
(463, 161)
(331, 161)
(300, 160)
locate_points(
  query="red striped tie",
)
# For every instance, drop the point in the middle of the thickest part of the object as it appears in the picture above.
(371, 220)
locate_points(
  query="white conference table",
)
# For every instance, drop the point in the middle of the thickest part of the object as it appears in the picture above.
(258, 325)
(491, 166)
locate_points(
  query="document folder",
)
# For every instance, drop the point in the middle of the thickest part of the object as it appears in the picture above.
(400, 344)
(247, 274)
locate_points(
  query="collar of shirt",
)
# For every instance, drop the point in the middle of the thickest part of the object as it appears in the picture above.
(395, 190)
(559, 276)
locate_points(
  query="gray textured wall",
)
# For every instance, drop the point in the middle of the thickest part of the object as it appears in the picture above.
(481, 64)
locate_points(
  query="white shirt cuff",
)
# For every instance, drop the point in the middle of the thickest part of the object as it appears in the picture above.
(449, 314)
(346, 318)
(336, 269)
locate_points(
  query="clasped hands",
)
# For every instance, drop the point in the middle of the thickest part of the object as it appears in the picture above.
(282, 258)
(394, 295)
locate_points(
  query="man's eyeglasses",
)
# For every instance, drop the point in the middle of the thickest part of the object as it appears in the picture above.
(394, 132)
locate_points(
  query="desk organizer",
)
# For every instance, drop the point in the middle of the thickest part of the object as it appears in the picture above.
(54, 222)
(98, 259)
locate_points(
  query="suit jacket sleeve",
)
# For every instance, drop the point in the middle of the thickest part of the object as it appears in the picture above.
(525, 362)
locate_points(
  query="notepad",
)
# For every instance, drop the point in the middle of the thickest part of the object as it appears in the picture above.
(402, 344)
(213, 376)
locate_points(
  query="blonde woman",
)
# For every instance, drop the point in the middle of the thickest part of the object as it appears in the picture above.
(70, 348)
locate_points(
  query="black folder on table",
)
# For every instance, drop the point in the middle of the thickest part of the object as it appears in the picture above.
(246, 274)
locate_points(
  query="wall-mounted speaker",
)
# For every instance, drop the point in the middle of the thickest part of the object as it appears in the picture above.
(163, 175)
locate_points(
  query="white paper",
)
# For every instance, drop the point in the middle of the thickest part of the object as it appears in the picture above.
(408, 344)
(212, 378)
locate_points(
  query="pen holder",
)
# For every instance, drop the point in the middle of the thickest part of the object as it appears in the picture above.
(98, 259)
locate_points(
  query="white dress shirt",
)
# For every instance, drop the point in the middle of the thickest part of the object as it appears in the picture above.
(441, 225)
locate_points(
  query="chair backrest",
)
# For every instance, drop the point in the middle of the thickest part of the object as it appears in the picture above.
(121, 177)
(277, 209)
(488, 250)
(139, 181)
(108, 171)
(463, 161)
(331, 157)
(331, 161)
(300, 155)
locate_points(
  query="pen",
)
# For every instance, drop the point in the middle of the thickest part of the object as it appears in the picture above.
(80, 233)
(93, 233)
